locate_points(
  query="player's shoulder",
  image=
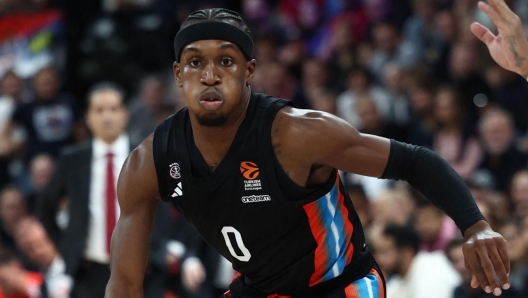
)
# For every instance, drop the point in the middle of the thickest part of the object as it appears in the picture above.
(305, 119)
(141, 156)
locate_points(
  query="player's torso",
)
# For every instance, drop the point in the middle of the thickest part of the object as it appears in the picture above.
(241, 210)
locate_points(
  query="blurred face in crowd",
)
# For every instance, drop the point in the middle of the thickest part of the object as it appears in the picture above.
(463, 60)
(42, 167)
(265, 50)
(519, 188)
(514, 244)
(393, 78)
(33, 241)
(214, 75)
(387, 256)
(314, 74)
(368, 114)
(106, 116)
(12, 207)
(446, 108)
(11, 85)
(421, 101)
(447, 24)
(428, 223)
(496, 131)
(273, 79)
(456, 256)
(359, 82)
(153, 92)
(386, 38)
(12, 278)
(46, 84)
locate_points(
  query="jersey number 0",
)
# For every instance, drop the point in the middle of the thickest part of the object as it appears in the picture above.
(238, 238)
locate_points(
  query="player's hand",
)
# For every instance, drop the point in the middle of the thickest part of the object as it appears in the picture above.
(193, 275)
(509, 48)
(486, 258)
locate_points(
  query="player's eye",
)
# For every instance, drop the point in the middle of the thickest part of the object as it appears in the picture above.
(194, 63)
(226, 62)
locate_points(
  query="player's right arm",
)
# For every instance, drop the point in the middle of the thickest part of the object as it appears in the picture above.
(137, 192)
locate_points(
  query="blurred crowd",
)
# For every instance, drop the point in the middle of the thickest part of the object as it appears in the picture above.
(87, 81)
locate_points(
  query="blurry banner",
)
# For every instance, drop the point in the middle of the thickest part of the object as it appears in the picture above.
(28, 41)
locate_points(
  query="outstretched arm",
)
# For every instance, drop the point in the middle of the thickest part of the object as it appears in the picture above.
(339, 145)
(137, 193)
(509, 48)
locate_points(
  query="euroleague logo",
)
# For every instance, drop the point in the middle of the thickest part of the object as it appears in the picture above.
(249, 170)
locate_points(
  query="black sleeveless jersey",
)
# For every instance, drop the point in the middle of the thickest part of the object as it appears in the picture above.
(281, 237)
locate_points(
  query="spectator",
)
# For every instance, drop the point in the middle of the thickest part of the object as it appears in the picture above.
(11, 88)
(465, 76)
(519, 193)
(87, 175)
(41, 168)
(434, 227)
(413, 274)
(393, 81)
(518, 254)
(422, 92)
(50, 119)
(360, 83)
(390, 47)
(372, 122)
(510, 93)
(453, 139)
(13, 208)
(149, 108)
(33, 242)
(15, 281)
(464, 290)
(501, 157)
(313, 83)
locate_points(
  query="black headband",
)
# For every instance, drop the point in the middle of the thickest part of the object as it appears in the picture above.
(213, 30)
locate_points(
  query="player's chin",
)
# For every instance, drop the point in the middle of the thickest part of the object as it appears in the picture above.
(212, 119)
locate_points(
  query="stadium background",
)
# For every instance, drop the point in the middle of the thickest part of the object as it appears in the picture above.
(402, 69)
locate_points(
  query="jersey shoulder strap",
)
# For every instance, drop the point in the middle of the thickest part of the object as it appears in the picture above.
(160, 148)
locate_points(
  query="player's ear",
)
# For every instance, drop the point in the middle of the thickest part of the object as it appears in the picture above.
(177, 73)
(250, 71)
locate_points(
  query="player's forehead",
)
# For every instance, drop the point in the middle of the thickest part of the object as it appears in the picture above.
(211, 46)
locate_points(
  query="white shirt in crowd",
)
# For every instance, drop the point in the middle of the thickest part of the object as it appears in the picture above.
(430, 275)
(96, 243)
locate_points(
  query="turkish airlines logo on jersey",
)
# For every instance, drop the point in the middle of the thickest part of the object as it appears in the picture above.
(249, 170)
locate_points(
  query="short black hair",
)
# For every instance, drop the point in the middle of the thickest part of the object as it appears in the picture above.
(455, 242)
(403, 236)
(216, 14)
(105, 86)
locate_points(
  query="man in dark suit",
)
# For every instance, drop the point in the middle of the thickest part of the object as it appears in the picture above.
(86, 176)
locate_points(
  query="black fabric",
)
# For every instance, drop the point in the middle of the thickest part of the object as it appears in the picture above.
(274, 227)
(213, 30)
(434, 178)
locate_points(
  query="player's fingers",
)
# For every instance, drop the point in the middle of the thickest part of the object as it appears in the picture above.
(482, 33)
(488, 268)
(500, 268)
(501, 249)
(474, 282)
(473, 265)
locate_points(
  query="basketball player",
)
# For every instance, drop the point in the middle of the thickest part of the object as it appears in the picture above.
(509, 48)
(258, 179)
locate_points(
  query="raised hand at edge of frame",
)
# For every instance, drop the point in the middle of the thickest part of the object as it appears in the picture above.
(486, 258)
(509, 48)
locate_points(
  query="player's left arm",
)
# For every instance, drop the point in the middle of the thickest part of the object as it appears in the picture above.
(341, 146)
